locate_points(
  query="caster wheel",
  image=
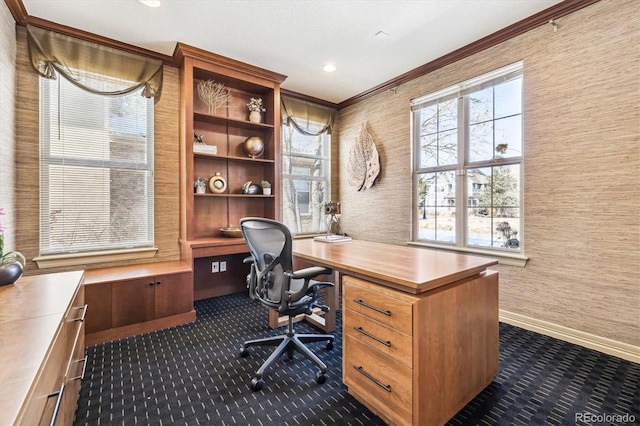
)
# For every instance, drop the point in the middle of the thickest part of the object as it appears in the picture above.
(321, 378)
(290, 353)
(256, 384)
(329, 346)
(244, 352)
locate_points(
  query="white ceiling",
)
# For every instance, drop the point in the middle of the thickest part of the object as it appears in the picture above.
(297, 37)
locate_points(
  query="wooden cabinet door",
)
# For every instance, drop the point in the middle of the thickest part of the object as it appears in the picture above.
(98, 297)
(174, 294)
(132, 301)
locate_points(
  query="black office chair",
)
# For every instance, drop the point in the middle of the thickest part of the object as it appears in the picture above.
(274, 283)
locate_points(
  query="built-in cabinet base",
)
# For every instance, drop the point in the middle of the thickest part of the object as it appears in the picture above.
(135, 299)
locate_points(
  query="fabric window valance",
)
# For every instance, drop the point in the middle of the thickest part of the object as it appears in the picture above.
(51, 53)
(299, 114)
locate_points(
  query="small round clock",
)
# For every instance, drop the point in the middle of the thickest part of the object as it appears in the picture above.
(217, 184)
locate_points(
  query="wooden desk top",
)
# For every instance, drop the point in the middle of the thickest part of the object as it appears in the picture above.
(411, 269)
(31, 313)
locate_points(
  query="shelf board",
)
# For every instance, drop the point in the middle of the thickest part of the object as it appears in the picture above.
(243, 124)
(235, 195)
(234, 158)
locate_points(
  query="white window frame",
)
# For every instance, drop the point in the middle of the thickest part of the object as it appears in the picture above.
(459, 92)
(325, 176)
(51, 257)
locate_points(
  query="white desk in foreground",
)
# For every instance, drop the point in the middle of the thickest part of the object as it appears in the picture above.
(420, 327)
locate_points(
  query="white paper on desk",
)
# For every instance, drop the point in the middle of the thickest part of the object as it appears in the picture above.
(332, 238)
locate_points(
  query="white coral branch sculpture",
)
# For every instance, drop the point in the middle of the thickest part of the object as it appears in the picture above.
(215, 95)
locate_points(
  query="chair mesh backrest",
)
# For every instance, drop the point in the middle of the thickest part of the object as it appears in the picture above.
(269, 242)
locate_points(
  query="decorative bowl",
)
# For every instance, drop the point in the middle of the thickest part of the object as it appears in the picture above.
(231, 232)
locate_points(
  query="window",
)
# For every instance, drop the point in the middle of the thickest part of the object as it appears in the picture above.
(96, 169)
(305, 178)
(468, 163)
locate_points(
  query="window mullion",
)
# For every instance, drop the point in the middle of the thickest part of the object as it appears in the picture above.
(461, 190)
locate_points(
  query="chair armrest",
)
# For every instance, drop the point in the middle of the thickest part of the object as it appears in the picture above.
(310, 272)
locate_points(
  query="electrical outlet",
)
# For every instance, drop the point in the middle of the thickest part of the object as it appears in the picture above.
(215, 266)
(223, 266)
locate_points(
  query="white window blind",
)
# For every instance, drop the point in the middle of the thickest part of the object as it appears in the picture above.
(96, 169)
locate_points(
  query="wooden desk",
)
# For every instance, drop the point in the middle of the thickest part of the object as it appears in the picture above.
(41, 348)
(420, 327)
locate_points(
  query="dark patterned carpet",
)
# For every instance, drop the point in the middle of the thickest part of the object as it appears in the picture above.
(193, 375)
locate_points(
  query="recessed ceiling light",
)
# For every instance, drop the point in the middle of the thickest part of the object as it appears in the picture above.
(329, 68)
(150, 3)
(381, 35)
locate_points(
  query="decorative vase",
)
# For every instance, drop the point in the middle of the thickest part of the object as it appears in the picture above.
(255, 116)
(201, 189)
(10, 272)
(266, 191)
(217, 184)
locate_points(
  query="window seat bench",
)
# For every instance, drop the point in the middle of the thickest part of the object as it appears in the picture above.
(125, 301)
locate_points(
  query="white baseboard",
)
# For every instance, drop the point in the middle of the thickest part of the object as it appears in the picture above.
(591, 341)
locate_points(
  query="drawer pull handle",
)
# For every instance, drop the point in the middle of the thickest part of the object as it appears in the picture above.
(57, 407)
(387, 343)
(84, 313)
(373, 379)
(360, 302)
(84, 368)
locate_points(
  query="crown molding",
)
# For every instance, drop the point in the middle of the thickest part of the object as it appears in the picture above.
(541, 18)
(308, 98)
(17, 9)
(19, 12)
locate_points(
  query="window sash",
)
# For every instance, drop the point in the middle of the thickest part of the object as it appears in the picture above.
(305, 219)
(462, 165)
(96, 170)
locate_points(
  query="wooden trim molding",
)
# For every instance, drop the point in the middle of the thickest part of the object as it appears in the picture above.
(17, 9)
(308, 98)
(566, 7)
(521, 27)
(181, 50)
(75, 259)
(23, 18)
(587, 340)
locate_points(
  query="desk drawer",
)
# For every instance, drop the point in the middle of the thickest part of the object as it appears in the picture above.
(379, 336)
(359, 296)
(39, 408)
(378, 380)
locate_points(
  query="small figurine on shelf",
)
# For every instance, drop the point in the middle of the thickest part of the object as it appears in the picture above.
(200, 147)
(200, 185)
(266, 187)
(197, 138)
(255, 110)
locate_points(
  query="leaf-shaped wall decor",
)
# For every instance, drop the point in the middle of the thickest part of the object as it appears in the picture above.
(356, 167)
(364, 161)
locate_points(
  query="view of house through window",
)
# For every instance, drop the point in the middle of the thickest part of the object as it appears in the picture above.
(468, 146)
(305, 179)
(96, 169)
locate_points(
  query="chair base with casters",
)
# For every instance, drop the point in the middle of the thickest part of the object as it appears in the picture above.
(288, 343)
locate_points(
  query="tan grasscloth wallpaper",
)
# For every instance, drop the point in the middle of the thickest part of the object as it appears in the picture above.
(582, 167)
(7, 134)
